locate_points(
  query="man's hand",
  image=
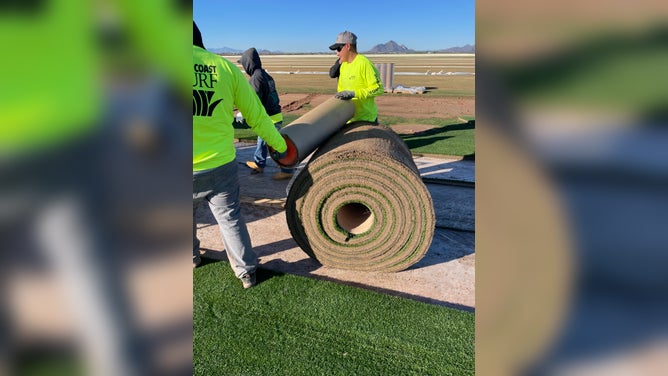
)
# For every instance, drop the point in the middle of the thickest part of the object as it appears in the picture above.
(278, 156)
(345, 95)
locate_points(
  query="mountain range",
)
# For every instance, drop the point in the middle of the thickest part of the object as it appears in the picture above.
(393, 47)
(390, 47)
(225, 50)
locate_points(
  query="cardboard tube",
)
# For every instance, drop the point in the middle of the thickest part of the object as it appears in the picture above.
(305, 134)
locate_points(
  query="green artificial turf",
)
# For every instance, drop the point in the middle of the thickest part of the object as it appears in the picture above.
(451, 137)
(291, 325)
(52, 362)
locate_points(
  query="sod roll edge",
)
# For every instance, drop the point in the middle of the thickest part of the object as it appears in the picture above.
(360, 203)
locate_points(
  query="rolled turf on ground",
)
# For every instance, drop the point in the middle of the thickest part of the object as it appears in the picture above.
(360, 204)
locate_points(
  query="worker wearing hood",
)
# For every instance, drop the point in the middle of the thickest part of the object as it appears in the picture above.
(263, 83)
(265, 88)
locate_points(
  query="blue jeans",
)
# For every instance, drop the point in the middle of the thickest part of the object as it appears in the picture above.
(260, 155)
(220, 189)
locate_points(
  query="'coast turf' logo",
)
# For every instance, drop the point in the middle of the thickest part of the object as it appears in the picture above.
(202, 105)
(205, 77)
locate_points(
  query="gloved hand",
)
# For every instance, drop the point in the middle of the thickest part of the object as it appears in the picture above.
(345, 95)
(278, 156)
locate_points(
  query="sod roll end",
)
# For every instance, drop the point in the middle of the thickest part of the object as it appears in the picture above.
(360, 204)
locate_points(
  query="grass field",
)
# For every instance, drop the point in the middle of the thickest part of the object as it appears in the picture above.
(402, 62)
(291, 325)
(450, 136)
(438, 86)
(309, 73)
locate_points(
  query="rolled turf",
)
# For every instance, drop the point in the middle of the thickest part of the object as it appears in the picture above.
(360, 204)
(308, 132)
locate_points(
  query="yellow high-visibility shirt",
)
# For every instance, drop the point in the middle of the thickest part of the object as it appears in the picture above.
(218, 88)
(362, 77)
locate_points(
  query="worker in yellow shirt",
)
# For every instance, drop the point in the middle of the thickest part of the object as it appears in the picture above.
(359, 79)
(218, 87)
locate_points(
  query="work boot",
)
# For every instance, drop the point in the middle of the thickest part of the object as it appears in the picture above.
(253, 166)
(248, 280)
(282, 175)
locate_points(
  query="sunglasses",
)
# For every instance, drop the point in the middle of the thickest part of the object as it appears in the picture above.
(339, 48)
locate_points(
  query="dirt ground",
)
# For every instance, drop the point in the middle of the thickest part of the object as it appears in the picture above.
(445, 276)
(399, 105)
(402, 105)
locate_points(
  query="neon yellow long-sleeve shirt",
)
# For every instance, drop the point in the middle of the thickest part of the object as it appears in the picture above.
(219, 87)
(362, 77)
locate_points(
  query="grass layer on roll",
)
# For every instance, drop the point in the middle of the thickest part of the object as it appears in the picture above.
(292, 325)
(399, 189)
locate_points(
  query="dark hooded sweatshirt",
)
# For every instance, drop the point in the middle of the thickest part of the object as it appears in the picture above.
(262, 82)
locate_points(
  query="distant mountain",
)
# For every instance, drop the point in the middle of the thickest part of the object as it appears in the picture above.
(268, 52)
(233, 51)
(224, 50)
(393, 47)
(467, 49)
(390, 47)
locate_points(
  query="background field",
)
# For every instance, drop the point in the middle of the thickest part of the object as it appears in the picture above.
(309, 73)
(439, 122)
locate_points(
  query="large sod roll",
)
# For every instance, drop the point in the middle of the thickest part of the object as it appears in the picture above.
(360, 204)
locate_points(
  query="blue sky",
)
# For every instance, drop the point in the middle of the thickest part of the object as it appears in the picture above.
(303, 26)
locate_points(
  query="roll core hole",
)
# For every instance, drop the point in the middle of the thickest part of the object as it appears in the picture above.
(355, 218)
